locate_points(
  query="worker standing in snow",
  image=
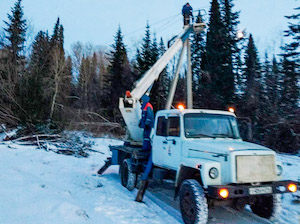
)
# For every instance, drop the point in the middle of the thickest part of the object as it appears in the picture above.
(187, 12)
(147, 123)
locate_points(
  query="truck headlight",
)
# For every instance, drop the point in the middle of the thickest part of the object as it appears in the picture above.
(213, 173)
(279, 170)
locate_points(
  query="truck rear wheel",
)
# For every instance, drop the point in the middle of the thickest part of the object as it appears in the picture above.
(193, 203)
(268, 207)
(128, 178)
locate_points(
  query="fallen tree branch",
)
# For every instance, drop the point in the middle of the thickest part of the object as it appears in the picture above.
(27, 138)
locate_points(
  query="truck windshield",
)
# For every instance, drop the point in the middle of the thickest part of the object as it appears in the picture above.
(210, 126)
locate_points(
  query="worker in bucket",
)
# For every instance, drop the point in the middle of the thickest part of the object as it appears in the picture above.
(147, 123)
(187, 12)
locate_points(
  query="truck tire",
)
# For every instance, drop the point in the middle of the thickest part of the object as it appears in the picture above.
(128, 178)
(268, 207)
(193, 203)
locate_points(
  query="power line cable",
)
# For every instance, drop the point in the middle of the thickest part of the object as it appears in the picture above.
(169, 24)
(143, 28)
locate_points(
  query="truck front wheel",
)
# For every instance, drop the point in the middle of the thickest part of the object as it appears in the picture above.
(268, 207)
(128, 178)
(193, 203)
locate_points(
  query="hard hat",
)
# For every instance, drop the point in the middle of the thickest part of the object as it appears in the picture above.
(145, 98)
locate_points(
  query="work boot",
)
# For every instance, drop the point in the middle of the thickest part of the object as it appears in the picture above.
(142, 190)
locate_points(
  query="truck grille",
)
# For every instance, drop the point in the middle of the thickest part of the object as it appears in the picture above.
(251, 169)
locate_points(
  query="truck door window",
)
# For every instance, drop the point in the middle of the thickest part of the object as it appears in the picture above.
(161, 129)
(173, 126)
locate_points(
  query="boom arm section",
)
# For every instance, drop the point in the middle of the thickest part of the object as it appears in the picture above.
(153, 73)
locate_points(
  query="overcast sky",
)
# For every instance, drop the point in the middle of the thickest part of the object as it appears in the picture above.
(97, 21)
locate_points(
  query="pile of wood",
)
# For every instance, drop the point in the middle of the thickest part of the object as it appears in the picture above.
(33, 139)
(61, 144)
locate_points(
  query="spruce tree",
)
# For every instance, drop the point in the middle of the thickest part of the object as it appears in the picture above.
(61, 80)
(82, 81)
(197, 51)
(292, 49)
(284, 92)
(250, 100)
(66, 85)
(230, 20)
(216, 63)
(145, 56)
(15, 35)
(57, 39)
(290, 64)
(231, 50)
(273, 85)
(290, 89)
(13, 65)
(286, 130)
(34, 97)
(238, 75)
(264, 104)
(119, 70)
(155, 50)
(164, 77)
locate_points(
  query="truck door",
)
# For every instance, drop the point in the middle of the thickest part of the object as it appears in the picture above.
(172, 154)
(158, 145)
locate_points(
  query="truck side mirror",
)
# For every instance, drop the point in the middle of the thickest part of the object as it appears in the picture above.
(245, 127)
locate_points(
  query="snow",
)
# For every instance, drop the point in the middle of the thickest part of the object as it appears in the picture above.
(44, 187)
(291, 171)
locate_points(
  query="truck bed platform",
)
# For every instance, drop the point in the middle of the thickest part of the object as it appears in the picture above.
(136, 152)
(120, 152)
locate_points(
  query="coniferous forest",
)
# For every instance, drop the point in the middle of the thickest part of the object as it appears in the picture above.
(42, 88)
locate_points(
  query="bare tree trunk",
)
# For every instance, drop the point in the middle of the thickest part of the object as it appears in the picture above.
(54, 99)
(58, 69)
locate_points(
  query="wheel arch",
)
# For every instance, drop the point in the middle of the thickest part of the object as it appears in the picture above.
(185, 173)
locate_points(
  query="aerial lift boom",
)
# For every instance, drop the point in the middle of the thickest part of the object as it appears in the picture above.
(130, 106)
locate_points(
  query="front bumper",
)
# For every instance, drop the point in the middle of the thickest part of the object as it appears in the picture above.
(247, 190)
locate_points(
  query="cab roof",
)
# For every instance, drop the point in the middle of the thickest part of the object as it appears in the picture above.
(195, 111)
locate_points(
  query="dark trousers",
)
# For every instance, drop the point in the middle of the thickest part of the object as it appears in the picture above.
(148, 168)
(146, 139)
(147, 147)
(186, 20)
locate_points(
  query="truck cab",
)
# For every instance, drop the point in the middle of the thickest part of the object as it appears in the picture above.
(209, 141)
(214, 166)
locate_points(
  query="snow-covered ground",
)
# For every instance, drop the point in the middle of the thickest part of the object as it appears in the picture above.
(291, 171)
(44, 187)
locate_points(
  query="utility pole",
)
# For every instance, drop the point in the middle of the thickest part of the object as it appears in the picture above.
(189, 78)
(175, 80)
